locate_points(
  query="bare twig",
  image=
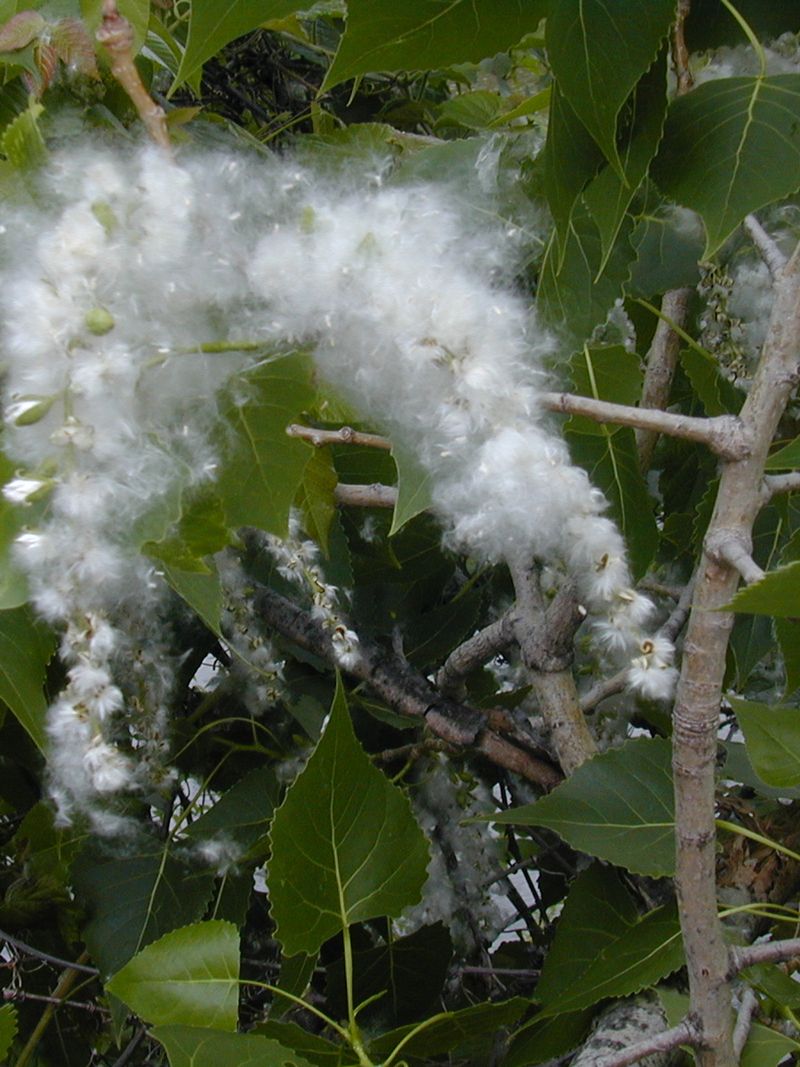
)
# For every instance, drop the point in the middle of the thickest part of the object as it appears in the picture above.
(781, 483)
(365, 496)
(21, 994)
(661, 362)
(65, 983)
(680, 613)
(766, 952)
(680, 53)
(473, 653)
(608, 687)
(116, 35)
(545, 636)
(723, 434)
(767, 248)
(29, 950)
(744, 1020)
(344, 436)
(127, 1053)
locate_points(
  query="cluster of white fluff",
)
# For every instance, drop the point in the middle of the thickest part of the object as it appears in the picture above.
(125, 262)
(297, 560)
(465, 859)
(782, 56)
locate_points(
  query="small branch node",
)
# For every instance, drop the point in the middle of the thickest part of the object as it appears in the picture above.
(733, 548)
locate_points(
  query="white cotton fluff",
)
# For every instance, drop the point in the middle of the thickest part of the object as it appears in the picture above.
(124, 263)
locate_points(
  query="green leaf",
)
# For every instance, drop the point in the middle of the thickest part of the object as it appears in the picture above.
(788, 633)
(21, 30)
(608, 196)
(786, 458)
(202, 592)
(668, 246)
(766, 1047)
(575, 294)
(413, 489)
(201, 531)
(777, 594)
(320, 1051)
(22, 143)
(739, 768)
(345, 846)
(772, 736)
(295, 974)
(242, 812)
(597, 911)
(8, 1029)
(604, 373)
(548, 1038)
(262, 466)
(382, 35)
(214, 23)
(649, 950)
(135, 898)
(617, 806)
(189, 977)
(717, 395)
(406, 974)
(474, 110)
(597, 60)
(26, 647)
(571, 160)
(190, 1046)
(612, 462)
(731, 147)
(432, 636)
(316, 497)
(458, 1027)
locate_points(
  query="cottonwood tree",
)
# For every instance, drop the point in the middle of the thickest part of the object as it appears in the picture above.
(400, 552)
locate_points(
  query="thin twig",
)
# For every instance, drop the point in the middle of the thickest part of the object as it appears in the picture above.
(29, 950)
(682, 1034)
(680, 53)
(680, 613)
(723, 434)
(127, 1053)
(766, 952)
(344, 436)
(21, 994)
(65, 983)
(767, 248)
(608, 687)
(116, 35)
(744, 1020)
(365, 496)
(781, 483)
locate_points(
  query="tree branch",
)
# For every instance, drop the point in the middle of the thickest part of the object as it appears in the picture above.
(344, 436)
(766, 952)
(365, 496)
(733, 547)
(116, 35)
(723, 434)
(767, 248)
(682, 1034)
(545, 637)
(473, 653)
(661, 362)
(744, 1020)
(781, 483)
(696, 714)
(407, 692)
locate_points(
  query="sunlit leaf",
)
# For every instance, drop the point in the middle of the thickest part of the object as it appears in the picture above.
(345, 846)
(189, 977)
(778, 594)
(731, 147)
(22, 142)
(8, 1028)
(382, 35)
(192, 1046)
(413, 489)
(617, 806)
(786, 458)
